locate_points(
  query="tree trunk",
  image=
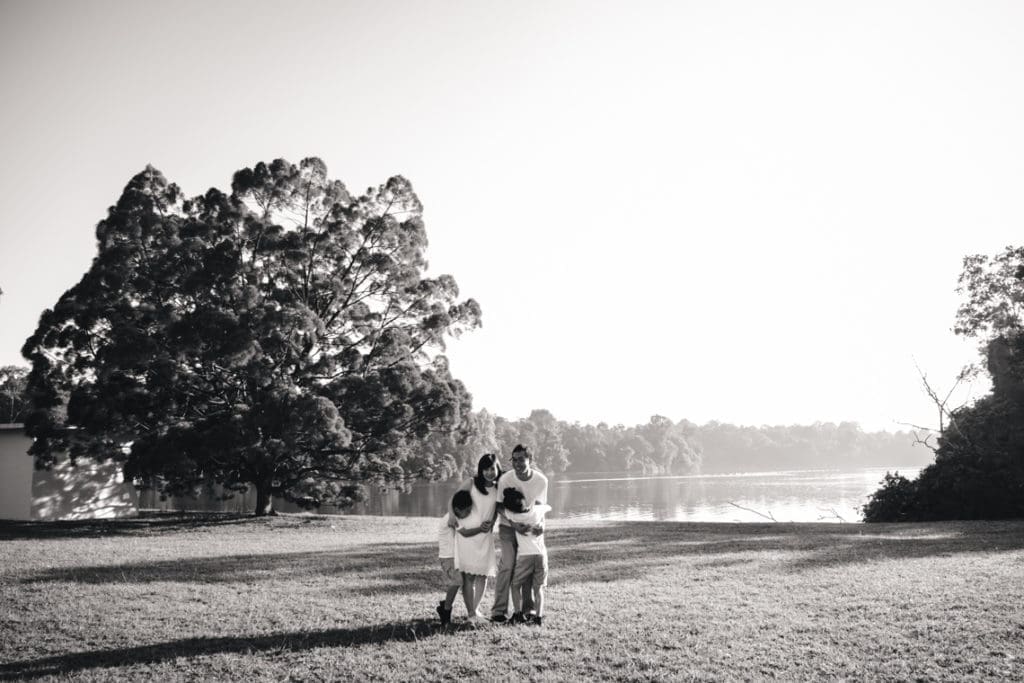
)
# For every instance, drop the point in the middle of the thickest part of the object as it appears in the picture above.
(264, 501)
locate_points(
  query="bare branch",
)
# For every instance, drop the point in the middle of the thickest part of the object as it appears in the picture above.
(947, 416)
(833, 515)
(768, 516)
(917, 436)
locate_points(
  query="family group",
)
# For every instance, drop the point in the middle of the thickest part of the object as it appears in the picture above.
(509, 505)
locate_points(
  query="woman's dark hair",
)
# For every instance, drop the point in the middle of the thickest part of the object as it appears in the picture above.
(486, 460)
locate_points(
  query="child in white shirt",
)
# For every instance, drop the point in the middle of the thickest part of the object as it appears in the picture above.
(452, 576)
(447, 553)
(531, 570)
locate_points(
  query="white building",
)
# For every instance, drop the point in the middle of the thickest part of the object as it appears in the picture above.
(88, 490)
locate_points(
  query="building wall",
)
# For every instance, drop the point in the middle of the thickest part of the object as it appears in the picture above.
(88, 490)
(15, 474)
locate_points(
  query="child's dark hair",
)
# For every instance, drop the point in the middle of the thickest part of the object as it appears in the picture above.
(462, 500)
(486, 460)
(514, 501)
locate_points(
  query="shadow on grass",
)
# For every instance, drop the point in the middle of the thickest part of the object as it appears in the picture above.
(616, 551)
(146, 523)
(364, 569)
(611, 552)
(199, 647)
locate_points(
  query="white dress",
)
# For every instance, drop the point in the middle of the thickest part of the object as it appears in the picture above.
(475, 554)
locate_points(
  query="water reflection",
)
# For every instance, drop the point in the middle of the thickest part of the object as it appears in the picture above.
(793, 496)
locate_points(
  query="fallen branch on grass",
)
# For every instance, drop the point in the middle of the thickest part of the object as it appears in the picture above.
(760, 514)
(834, 515)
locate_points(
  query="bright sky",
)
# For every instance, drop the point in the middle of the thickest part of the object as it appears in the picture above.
(743, 211)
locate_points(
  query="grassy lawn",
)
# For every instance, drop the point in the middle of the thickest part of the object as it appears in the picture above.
(317, 598)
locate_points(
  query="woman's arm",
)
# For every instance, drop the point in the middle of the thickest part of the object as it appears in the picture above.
(471, 531)
(499, 511)
(499, 507)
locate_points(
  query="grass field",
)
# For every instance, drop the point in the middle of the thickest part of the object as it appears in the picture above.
(334, 598)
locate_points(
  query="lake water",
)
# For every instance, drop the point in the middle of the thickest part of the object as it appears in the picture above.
(791, 496)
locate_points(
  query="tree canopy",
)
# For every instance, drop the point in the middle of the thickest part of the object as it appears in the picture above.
(283, 335)
(993, 291)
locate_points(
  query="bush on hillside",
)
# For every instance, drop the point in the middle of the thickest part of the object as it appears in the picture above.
(894, 502)
(978, 471)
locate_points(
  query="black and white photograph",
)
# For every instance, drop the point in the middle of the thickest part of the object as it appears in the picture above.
(481, 340)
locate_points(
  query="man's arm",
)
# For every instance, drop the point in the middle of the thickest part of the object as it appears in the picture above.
(521, 522)
(520, 527)
(538, 528)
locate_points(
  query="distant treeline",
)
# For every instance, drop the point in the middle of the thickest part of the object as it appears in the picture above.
(662, 446)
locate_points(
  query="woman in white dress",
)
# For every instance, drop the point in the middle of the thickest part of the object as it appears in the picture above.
(474, 540)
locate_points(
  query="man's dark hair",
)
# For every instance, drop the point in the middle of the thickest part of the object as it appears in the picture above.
(514, 500)
(462, 500)
(525, 450)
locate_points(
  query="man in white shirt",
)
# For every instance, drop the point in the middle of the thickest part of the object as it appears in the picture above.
(534, 487)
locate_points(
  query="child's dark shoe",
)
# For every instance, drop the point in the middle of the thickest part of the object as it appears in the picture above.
(518, 618)
(535, 620)
(445, 614)
(499, 619)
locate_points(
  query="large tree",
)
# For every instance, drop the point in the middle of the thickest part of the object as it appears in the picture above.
(283, 336)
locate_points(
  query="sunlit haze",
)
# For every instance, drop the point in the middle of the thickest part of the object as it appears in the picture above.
(738, 211)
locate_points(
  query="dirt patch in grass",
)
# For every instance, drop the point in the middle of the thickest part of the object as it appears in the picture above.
(325, 598)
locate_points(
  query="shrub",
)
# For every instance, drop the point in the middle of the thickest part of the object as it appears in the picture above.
(895, 501)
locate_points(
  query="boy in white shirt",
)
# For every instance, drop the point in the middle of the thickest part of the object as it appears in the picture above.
(461, 506)
(531, 570)
(532, 483)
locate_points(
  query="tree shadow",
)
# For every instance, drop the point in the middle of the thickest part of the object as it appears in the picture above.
(610, 552)
(146, 523)
(367, 569)
(618, 550)
(398, 631)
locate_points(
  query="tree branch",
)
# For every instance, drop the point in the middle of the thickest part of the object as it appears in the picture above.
(769, 516)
